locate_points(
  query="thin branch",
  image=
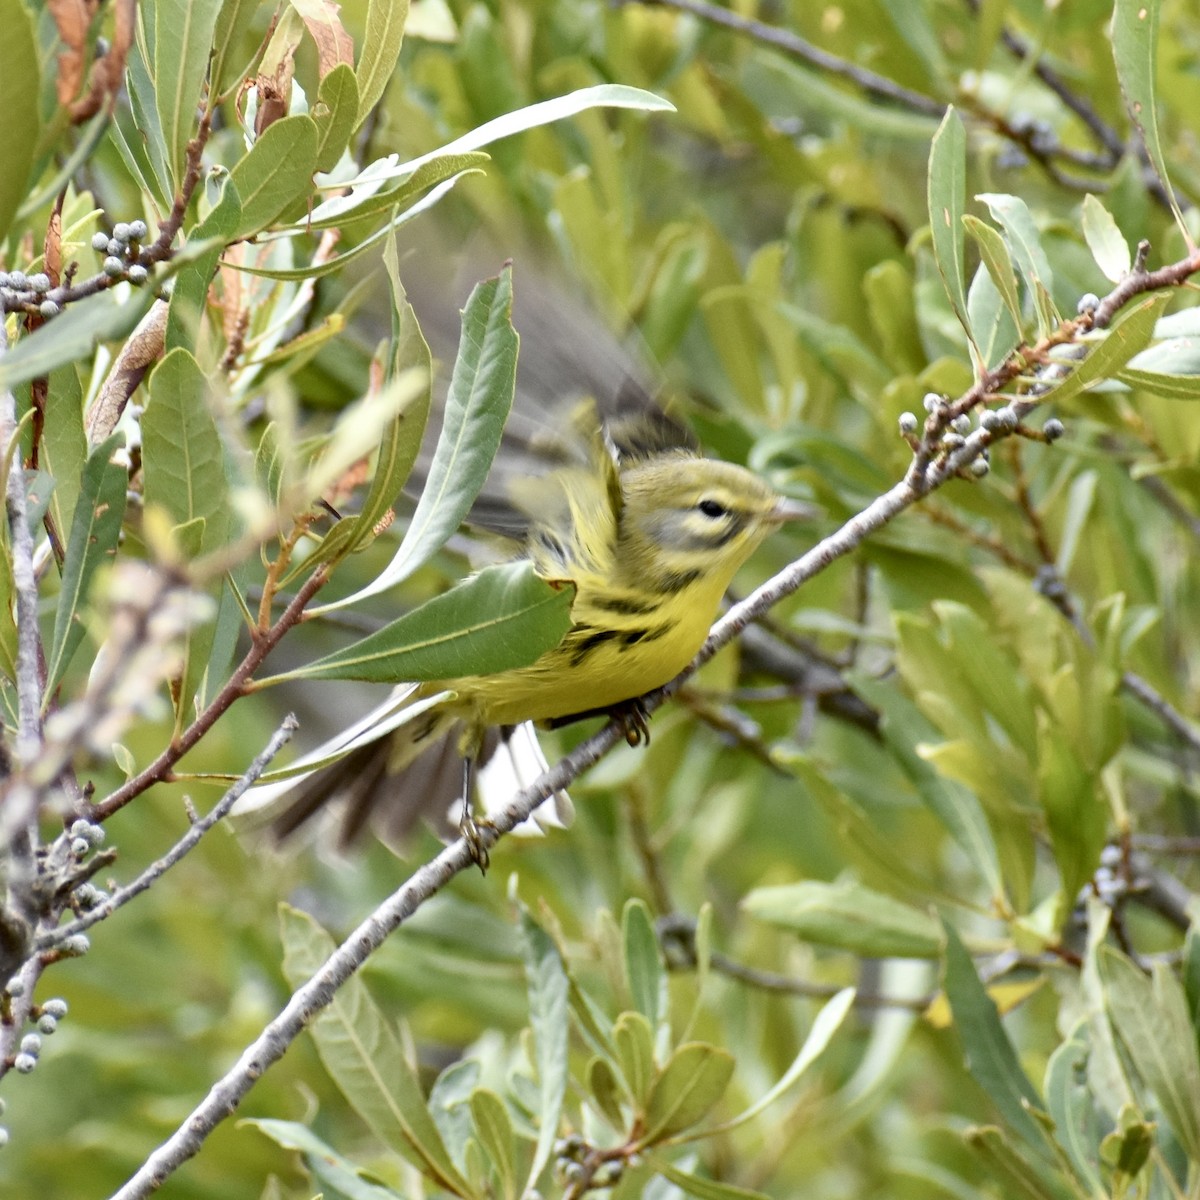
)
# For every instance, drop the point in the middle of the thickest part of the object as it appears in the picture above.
(184, 846)
(783, 39)
(160, 769)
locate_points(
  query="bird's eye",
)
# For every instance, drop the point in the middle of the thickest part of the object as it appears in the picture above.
(712, 508)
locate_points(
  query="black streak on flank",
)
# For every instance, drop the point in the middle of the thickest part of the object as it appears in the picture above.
(625, 605)
(589, 643)
(634, 636)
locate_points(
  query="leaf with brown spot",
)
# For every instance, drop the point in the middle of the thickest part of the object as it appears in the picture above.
(334, 44)
(72, 19)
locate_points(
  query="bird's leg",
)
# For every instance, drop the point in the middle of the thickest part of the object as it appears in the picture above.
(468, 826)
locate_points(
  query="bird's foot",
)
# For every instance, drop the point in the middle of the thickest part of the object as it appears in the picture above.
(471, 830)
(634, 721)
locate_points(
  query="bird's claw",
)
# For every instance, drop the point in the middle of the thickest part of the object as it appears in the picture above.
(470, 828)
(634, 721)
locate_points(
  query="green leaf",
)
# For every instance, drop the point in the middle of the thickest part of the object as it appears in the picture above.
(94, 532)
(328, 1168)
(849, 916)
(335, 114)
(704, 1189)
(234, 23)
(990, 1056)
(185, 471)
(1151, 1018)
(1015, 1178)
(1127, 337)
(998, 263)
(1135, 51)
(331, 266)
(18, 135)
(380, 51)
(503, 618)
(481, 393)
(73, 335)
(142, 142)
(1069, 1101)
(634, 1042)
(947, 192)
(183, 37)
(184, 458)
(1169, 386)
(643, 963)
(828, 1021)
(546, 979)
(400, 439)
(1070, 797)
(1106, 242)
(493, 1128)
(603, 95)
(366, 199)
(275, 174)
(605, 1090)
(64, 446)
(1021, 232)
(363, 1057)
(189, 297)
(693, 1081)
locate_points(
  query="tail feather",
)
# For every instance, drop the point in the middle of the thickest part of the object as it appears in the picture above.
(403, 762)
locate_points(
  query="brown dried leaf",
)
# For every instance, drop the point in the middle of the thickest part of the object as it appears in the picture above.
(72, 19)
(334, 44)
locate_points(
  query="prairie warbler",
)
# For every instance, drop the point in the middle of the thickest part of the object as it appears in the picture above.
(651, 536)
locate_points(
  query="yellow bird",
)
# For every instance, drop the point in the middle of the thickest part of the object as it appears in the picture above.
(651, 538)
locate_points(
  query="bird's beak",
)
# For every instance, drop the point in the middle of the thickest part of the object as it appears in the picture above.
(792, 510)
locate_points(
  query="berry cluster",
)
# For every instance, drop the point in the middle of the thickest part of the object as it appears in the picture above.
(121, 251)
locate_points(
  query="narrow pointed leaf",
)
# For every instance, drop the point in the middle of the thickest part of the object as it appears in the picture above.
(380, 50)
(493, 1128)
(481, 392)
(93, 541)
(643, 963)
(947, 192)
(998, 262)
(364, 1058)
(1106, 242)
(849, 916)
(1024, 240)
(634, 1041)
(828, 1021)
(183, 37)
(546, 980)
(1151, 1018)
(1127, 337)
(990, 1056)
(1069, 1102)
(703, 1189)
(502, 618)
(18, 135)
(1135, 50)
(73, 335)
(329, 1169)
